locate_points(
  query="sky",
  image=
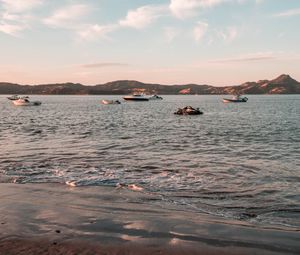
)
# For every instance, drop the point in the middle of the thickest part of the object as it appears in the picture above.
(215, 42)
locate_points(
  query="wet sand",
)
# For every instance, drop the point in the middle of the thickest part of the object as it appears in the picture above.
(57, 219)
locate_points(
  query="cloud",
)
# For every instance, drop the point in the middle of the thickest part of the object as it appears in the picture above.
(94, 31)
(11, 29)
(67, 16)
(17, 6)
(72, 17)
(187, 8)
(143, 16)
(260, 56)
(15, 16)
(10, 16)
(200, 30)
(104, 64)
(292, 12)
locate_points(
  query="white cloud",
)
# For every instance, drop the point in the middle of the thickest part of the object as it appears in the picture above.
(11, 29)
(187, 8)
(73, 17)
(95, 31)
(10, 16)
(15, 16)
(17, 6)
(200, 30)
(66, 17)
(288, 13)
(143, 16)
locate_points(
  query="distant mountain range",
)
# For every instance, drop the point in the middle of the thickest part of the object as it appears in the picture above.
(283, 84)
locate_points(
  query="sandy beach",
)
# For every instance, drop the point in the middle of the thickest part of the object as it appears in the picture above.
(57, 219)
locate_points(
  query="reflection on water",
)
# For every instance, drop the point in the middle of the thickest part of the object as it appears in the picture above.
(237, 160)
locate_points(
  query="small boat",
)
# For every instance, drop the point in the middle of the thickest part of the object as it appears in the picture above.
(136, 97)
(16, 97)
(155, 97)
(235, 99)
(188, 110)
(13, 97)
(110, 102)
(25, 102)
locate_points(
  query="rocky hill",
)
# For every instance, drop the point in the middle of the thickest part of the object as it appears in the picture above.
(283, 84)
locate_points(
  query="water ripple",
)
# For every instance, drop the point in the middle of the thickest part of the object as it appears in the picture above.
(238, 161)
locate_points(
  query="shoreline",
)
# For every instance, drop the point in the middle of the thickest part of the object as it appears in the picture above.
(58, 219)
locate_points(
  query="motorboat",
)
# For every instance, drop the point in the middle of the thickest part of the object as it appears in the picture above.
(188, 110)
(235, 99)
(25, 102)
(13, 97)
(155, 97)
(16, 97)
(136, 97)
(110, 102)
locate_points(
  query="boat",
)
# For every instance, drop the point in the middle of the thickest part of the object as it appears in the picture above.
(136, 97)
(24, 101)
(110, 102)
(13, 97)
(155, 97)
(235, 99)
(188, 110)
(16, 97)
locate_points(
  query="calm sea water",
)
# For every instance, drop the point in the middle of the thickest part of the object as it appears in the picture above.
(237, 161)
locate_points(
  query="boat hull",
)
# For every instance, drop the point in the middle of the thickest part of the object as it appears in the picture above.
(35, 103)
(135, 99)
(189, 113)
(110, 102)
(226, 100)
(12, 98)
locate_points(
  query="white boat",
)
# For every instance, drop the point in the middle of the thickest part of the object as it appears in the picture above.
(25, 102)
(155, 97)
(235, 99)
(136, 97)
(110, 102)
(13, 97)
(16, 97)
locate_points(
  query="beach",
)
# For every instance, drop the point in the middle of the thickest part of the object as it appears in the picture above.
(166, 127)
(58, 219)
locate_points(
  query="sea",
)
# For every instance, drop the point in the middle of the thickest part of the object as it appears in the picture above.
(237, 161)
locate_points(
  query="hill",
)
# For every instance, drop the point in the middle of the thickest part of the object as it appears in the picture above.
(283, 84)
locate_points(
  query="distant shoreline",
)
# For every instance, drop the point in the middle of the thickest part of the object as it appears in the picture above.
(283, 84)
(36, 94)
